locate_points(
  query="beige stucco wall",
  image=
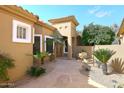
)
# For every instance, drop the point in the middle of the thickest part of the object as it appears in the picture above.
(118, 48)
(63, 31)
(18, 51)
(73, 30)
(74, 38)
(88, 49)
(70, 33)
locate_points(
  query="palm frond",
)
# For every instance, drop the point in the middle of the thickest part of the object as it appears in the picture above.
(103, 55)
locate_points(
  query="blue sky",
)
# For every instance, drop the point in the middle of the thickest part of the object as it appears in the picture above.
(85, 14)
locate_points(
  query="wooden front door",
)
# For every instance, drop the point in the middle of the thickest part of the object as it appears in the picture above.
(59, 50)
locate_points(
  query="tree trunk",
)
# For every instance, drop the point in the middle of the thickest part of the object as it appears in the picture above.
(104, 68)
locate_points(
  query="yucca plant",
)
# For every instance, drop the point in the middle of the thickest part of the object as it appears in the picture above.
(103, 55)
(40, 56)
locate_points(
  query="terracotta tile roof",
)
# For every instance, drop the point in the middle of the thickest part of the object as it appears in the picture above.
(18, 10)
(46, 25)
(39, 21)
(27, 11)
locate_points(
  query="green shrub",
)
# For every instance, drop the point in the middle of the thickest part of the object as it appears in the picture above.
(95, 34)
(5, 63)
(36, 71)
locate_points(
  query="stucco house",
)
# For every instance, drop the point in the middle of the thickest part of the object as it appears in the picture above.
(16, 38)
(67, 28)
(120, 33)
(22, 34)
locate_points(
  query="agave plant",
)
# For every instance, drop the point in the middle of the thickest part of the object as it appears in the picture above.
(103, 55)
(118, 65)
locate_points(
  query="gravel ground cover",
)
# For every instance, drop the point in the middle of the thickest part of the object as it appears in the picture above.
(97, 75)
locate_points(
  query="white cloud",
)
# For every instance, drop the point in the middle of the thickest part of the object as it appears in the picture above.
(96, 8)
(103, 14)
(98, 12)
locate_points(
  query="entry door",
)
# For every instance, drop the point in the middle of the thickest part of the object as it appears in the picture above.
(66, 46)
(36, 46)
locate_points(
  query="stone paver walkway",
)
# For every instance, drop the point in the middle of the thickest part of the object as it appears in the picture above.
(60, 74)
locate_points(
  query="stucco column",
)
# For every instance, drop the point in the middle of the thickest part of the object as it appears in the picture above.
(75, 44)
(69, 47)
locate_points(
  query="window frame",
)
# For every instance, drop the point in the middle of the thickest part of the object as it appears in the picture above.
(40, 41)
(50, 37)
(28, 38)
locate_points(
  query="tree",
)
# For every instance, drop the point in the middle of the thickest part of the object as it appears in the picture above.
(97, 35)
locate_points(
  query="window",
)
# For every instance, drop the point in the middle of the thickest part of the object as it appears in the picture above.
(49, 46)
(21, 32)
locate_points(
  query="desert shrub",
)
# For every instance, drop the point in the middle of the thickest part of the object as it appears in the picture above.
(5, 63)
(36, 71)
(118, 65)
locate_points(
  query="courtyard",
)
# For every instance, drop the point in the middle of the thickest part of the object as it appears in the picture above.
(62, 73)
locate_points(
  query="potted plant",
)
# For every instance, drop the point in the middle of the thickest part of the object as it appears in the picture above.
(103, 55)
(40, 57)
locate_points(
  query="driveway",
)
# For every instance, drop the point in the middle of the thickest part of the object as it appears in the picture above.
(62, 73)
